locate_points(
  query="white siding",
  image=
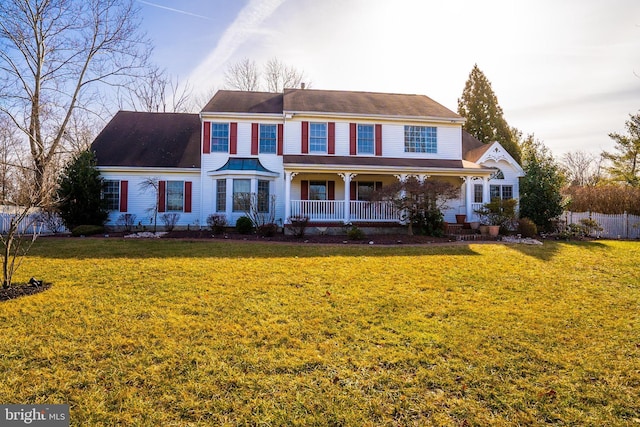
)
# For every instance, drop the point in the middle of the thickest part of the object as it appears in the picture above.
(141, 203)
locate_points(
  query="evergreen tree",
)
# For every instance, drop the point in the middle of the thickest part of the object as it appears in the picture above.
(625, 164)
(540, 188)
(479, 105)
(79, 192)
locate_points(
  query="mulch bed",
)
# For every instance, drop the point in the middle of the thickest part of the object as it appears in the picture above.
(17, 291)
(378, 239)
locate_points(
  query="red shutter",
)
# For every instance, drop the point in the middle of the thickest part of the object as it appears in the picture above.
(162, 196)
(233, 138)
(378, 140)
(280, 139)
(305, 138)
(352, 190)
(188, 187)
(124, 195)
(206, 138)
(331, 144)
(331, 190)
(304, 190)
(254, 139)
(353, 138)
(377, 185)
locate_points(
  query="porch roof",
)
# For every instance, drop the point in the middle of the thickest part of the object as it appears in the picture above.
(383, 164)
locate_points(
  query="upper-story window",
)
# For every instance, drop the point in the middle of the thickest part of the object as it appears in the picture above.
(219, 137)
(318, 137)
(420, 139)
(268, 138)
(365, 139)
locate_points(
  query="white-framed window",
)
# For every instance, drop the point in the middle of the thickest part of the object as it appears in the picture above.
(111, 194)
(504, 192)
(366, 139)
(219, 137)
(268, 138)
(477, 193)
(175, 196)
(263, 196)
(420, 139)
(364, 190)
(317, 137)
(241, 193)
(317, 190)
(221, 195)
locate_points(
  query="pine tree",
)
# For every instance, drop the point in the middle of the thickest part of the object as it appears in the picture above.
(540, 189)
(79, 192)
(625, 164)
(479, 105)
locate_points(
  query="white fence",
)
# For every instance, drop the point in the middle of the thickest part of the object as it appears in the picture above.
(34, 222)
(622, 226)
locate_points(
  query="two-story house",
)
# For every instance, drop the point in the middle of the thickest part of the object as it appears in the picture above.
(315, 153)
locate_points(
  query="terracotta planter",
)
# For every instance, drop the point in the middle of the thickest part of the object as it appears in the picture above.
(484, 230)
(474, 225)
(494, 230)
(460, 219)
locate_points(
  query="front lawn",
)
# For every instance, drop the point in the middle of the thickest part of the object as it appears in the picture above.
(177, 333)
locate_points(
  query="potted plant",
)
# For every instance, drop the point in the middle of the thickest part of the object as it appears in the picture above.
(497, 215)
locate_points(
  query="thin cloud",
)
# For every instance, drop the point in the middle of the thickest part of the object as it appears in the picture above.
(246, 25)
(171, 9)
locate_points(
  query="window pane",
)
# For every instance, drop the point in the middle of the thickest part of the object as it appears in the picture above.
(507, 192)
(219, 137)
(420, 139)
(365, 189)
(175, 195)
(318, 137)
(241, 194)
(317, 190)
(365, 139)
(494, 191)
(477, 193)
(268, 138)
(263, 196)
(221, 195)
(111, 194)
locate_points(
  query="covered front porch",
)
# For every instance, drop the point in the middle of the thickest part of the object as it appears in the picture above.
(343, 197)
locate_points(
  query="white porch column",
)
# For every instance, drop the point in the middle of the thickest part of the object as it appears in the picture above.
(486, 195)
(468, 180)
(347, 177)
(288, 177)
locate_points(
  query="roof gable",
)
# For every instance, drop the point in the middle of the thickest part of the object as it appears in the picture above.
(141, 139)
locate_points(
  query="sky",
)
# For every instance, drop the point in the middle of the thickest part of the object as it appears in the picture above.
(567, 71)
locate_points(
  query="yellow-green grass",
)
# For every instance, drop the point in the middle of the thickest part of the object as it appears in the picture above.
(170, 333)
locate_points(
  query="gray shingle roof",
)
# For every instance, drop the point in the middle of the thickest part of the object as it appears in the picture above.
(140, 139)
(328, 101)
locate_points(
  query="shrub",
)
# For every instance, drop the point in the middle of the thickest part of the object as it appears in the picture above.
(126, 221)
(267, 230)
(527, 228)
(217, 223)
(170, 220)
(355, 233)
(51, 220)
(87, 230)
(298, 225)
(244, 225)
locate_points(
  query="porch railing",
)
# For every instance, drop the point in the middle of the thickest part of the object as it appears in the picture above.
(373, 211)
(318, 210)
(333, 210)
